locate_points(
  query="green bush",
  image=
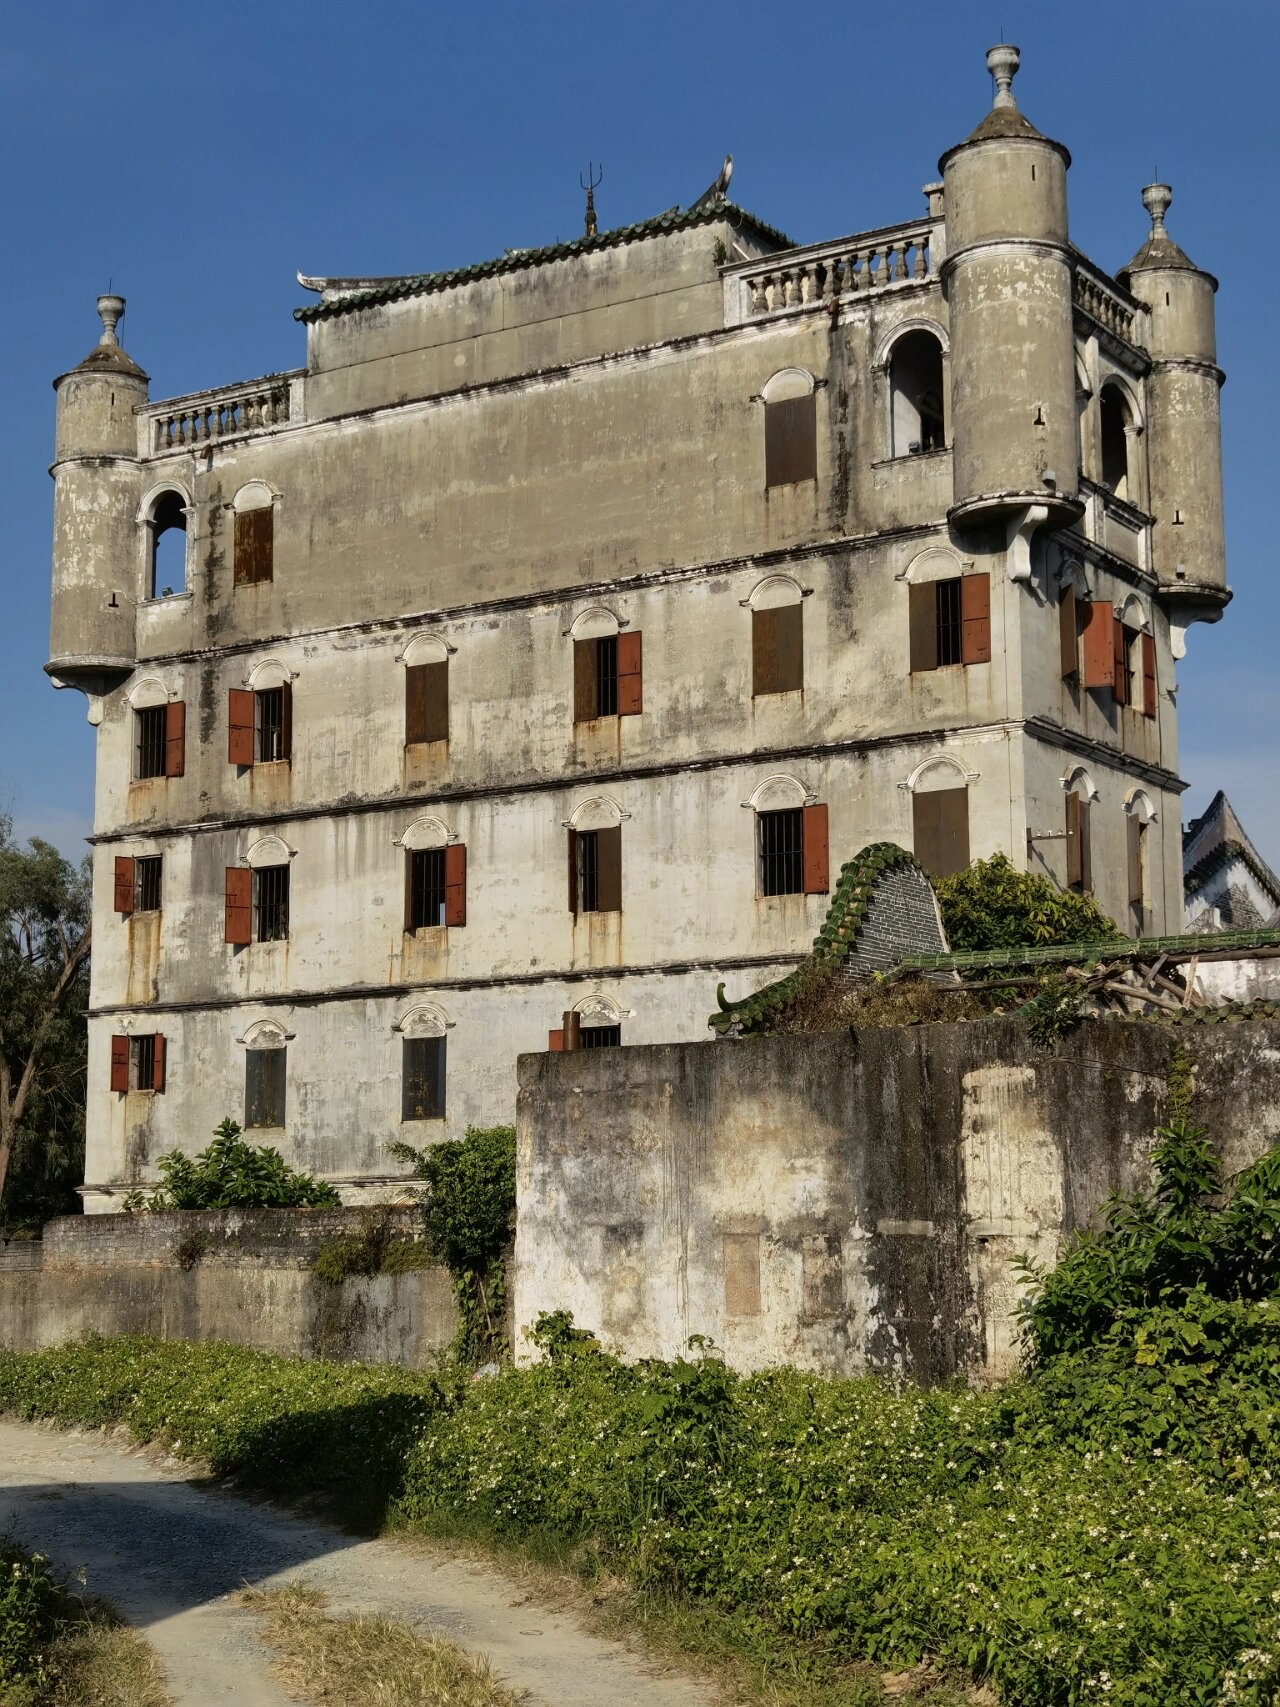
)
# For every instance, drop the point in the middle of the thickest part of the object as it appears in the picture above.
(990, 905)
(31, 1604)
(231, 1174)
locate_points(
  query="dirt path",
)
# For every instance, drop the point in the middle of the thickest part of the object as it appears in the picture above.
(171, 1556)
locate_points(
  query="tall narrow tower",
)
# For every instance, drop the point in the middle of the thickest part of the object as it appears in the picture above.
(1183, 429)
(97, 491)
(1007, 278)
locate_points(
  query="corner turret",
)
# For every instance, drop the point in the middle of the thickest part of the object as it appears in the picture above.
(97, 490)
(1183, 429)
(1007, 278)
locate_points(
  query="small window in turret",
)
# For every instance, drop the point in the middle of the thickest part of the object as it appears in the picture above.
(1114, 414)
(167, 527)
(915, 390)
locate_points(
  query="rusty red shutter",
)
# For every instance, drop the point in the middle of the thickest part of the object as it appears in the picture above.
(573, 872)
(240, 720)
(788, 641)
(119, 1063)
(286, 721)
(585, 697)
(609, 870)
(124, 885)
(455, 884)
(630, 684)
(1068, 632)
(175, 738)
(1148, 675)
(764, 652)
(975, 619)
(923, 616)
(555, 1042)
(436, 701)
(1098, 665)
(238, 913)
(252, 547)
(1119, 661)
(790, 441)
(814, 854)
(157, 1062)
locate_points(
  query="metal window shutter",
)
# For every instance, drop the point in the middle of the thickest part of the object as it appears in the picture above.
(790, 441)
(630, 675)
(975, 619)
(455, 884)
(923, 616)
(175, 738)
(609, 870)
(119, 1063)
(815, 857)
(238, 911)
(240, 706)
(124, 884)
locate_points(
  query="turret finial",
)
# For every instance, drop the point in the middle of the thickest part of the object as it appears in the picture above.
(1003, 61)
(111, 311)
(1156, 199)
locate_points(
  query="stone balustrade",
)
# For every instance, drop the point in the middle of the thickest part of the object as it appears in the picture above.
(1102, 301)
(207, 416)
(855, 266)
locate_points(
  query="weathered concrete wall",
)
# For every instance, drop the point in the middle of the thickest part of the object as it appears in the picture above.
(848, 1202)
(236, 1275)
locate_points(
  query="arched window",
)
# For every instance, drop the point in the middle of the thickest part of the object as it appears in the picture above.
(253, 541)
(1115, 417)
(167, 550)
(790, 429)
(1139, 816)
(940, 815)
(915, 392)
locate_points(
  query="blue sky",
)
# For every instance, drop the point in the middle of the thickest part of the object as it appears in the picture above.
(199, 156)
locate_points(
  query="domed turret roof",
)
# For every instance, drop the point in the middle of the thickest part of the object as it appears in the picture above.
(1004, 122)
(107, 355)
(1159, 250)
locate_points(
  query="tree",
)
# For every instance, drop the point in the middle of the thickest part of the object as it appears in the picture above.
(990, 905)
(44, 978)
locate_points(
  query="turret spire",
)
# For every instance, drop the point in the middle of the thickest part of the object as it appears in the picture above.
(111, 312)
(1003, 61)
(1156, 199)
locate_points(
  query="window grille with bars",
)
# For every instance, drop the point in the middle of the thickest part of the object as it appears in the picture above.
(146, 883)
(600, 1036)
(271, 903)
(269, 708)
(142, 1062)
(264, 1087)
(426, 888)
(607, 676)
(589, 871)
(781, 852)
(950, 626)
(149, 750)
(423, 1079)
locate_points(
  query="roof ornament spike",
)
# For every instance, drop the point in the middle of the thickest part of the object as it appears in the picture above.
(1003, 61)
(1156, 199)
(110, 312)
(592, 184)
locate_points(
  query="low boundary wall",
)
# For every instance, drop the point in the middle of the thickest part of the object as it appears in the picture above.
(237, 1275)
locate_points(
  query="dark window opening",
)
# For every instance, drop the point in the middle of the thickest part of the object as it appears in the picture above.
(595, 678)
(595, 870)
(422, 1093)
(607, 676)
(1137, 838)
(1114, 415)
(782, 852)
(589, 871)
(600, 1036)
(950, 623)
(264, 1083)
(271, 903)
(426, 888)
(915, 390)
(168, 529)
(269, 717)
(149, 725)
(142, 1062)
(146, 884)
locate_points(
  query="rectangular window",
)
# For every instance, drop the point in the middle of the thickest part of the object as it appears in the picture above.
(595, 678)
(1149, 706)
(151, 739)
(252, 548)
(600, 1036)
(264, 1084)
(425, 889)
(271, 903)
(1120, 669)
(595, 870)
(269, 717)
(781, 852)
(777, 650)
(940, 830)
(422, 1090)
(950, 622)
(1079, 863)
(1069, 633)
(426, 703)
(1137, 837)
(142, 1062)
(146, 884)
(790, 441)
(259, 725)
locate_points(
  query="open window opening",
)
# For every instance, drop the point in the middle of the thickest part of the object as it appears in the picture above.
(423, 1078)
(950, 622)
(792, 852)
(1114, 415)
(1138, 833)
(149, 741)
(595, 870)
(271, 903)
(915, 391)
(146, 883)
(167, 528)
(1079, 856)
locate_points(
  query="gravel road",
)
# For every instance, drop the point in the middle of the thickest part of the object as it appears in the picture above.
(171, 1556)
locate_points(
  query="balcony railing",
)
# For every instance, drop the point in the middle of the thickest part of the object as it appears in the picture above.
(863, 265)
(1096, 295)
(204, 417)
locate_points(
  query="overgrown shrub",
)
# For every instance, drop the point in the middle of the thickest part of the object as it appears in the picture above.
(991, 905)
(375, 1249)
(31, 1601)
(231, 1174)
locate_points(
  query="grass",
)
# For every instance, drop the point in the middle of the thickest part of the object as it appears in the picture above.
(323, 1658)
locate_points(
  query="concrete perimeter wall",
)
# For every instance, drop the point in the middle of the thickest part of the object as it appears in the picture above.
(848, 1202)
(238, 1275)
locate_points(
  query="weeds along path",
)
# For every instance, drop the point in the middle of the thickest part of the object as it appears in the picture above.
(172, 1557)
